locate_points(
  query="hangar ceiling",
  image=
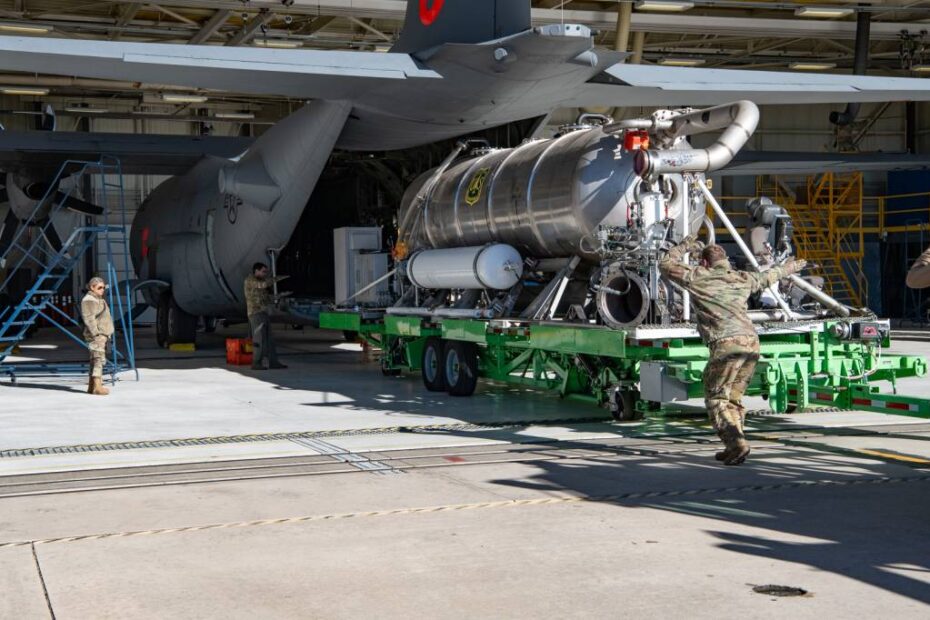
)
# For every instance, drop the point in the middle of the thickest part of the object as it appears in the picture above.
(753, 34)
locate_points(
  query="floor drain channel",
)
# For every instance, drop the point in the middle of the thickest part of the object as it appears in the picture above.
(773, 590)
(351, 458)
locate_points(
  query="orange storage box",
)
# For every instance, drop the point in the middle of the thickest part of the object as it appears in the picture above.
(239, 351)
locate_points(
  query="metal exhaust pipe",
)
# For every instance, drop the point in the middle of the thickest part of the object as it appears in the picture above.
(737, 120)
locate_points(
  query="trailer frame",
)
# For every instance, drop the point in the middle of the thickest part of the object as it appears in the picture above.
(642, 371)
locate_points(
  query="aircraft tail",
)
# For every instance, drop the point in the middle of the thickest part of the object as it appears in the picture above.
(434, 22)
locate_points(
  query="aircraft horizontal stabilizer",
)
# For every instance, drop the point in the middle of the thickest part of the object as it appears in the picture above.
(753, 163)
(40, 153)
(303, 74)
(649, 85)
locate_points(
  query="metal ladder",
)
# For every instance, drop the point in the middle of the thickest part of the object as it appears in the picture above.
(56, 265)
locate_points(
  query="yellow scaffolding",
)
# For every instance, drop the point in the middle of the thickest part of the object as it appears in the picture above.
(829, 229)
(831, 219)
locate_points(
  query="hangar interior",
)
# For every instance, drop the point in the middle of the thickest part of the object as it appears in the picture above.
(332, 490)
(365, 189)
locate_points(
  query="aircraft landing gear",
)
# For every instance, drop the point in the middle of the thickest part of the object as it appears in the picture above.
(172, 324)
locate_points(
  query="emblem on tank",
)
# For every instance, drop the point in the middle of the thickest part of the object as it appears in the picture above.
(473, 194)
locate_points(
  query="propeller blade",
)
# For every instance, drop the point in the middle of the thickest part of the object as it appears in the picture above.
(48, 232)
(10, 225)
(77, 205)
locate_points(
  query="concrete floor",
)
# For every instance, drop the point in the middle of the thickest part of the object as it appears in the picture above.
(654, 530)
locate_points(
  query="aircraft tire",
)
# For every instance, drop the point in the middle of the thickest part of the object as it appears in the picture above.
(182, 327)
(161, 320)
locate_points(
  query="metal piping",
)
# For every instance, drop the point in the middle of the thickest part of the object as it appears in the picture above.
(738, 121)
(860, 66)
(453, 313)
(806, 286)
(820, 296)
(718, 210)
(765, 316)
(406, 228)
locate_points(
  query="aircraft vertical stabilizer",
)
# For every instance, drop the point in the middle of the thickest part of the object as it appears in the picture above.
(434, 22)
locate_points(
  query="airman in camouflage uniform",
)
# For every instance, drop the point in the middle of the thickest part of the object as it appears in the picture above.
(719, 295)
(258, 301)
(98, 329)
(919, 275)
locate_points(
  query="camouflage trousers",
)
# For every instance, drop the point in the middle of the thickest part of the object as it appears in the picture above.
(726, 377)
(98, 355)
(262, 341)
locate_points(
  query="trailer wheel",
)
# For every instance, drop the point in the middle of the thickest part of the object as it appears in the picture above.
(432, 366)
(460, 367)
(623, 406)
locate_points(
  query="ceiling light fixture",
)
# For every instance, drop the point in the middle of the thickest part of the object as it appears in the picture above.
(180, 98)
(668, 6)
(812, 66)
(921, 68)
(244, 116)
(24, 90)
(25, 28)
(279, 43)
(88, 110)
(681, 62)
(828, 12)
(82, 110)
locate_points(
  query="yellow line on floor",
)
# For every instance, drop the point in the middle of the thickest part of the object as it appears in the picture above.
(542, 501)
(895, 457)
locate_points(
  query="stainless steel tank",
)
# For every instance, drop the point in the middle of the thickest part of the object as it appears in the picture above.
(545, 198)
(496, 267)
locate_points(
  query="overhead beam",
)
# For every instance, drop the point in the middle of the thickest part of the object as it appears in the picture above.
(174, 14)
(209, 29)
(317, 24)
(249, 31)
(371, 29)
(703, 24)
(606, 20)
(129, 12)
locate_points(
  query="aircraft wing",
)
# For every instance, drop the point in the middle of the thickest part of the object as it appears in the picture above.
(43, 152)
(301, 74)
(754, 163)
(651, 85)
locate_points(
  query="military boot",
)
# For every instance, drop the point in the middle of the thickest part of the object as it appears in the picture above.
(98, 389)
(737, 448)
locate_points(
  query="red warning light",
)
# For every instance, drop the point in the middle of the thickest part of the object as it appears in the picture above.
(429, 10)
(634, 140)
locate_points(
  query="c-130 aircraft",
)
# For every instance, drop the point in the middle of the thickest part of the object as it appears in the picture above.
(459, 66)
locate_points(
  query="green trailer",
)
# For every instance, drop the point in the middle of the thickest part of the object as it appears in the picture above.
(643, 370)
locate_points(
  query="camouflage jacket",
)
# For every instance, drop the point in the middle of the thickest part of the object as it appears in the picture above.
(719, 293)
(258, 294)
(919, 275)
(95, 313)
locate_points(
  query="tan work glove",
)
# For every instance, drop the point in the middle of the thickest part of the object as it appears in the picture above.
(795, 266)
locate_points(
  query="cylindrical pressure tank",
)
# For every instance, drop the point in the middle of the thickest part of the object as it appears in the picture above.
(545, 198)
(496, 267)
